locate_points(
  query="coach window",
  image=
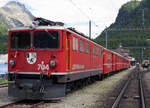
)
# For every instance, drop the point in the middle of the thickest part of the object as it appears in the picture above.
(75, 44)
(87, 47)
(81, 45)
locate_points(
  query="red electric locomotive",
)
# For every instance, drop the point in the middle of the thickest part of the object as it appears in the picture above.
(44, 60)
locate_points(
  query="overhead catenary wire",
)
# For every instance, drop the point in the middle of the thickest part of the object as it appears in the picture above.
(75, 5)
(91, 20)
(87, 16)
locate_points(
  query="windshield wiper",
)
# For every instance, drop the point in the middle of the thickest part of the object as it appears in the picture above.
(53, 37)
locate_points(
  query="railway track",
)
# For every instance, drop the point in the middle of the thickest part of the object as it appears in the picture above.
(3, 85)
(132, 94)
(9, 104)
(24, 104)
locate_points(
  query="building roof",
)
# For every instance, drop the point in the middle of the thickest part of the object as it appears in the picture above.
(122, 51)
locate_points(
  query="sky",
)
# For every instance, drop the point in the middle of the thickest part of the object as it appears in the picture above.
(76, 13)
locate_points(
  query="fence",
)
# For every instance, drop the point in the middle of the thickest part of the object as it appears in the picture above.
(5, 76)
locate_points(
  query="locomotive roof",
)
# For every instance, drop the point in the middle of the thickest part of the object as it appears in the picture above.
(70, 29)
(37, 27)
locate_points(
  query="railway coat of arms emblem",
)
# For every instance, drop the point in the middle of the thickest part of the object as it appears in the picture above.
(31, 58)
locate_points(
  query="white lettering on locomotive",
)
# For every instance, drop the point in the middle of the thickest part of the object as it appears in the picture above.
(77, 66)
(43, 66)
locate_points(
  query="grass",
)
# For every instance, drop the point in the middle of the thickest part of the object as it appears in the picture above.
(3, 80)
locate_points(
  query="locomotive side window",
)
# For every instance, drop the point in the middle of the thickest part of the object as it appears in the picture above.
(81, 45)
(97, 51)
(75, 44)
(20, 40)
(87, 47)
(109, 59)
(46, 39)
(101, 52)
(93, 51)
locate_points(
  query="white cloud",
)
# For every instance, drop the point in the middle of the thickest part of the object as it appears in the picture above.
(102, 12)
(3, 2)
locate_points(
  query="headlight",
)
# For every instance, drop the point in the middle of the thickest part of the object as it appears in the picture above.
(11, 62)
(52, 63)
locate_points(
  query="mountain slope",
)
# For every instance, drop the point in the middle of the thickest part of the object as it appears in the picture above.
(13, 14)
(124, 29)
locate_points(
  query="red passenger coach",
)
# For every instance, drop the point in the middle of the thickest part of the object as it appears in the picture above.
(107, 61)
(46, 61)
(113, 61)
(120, 62)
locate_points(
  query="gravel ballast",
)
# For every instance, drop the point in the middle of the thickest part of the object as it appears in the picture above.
(91, 96)
(146, 86)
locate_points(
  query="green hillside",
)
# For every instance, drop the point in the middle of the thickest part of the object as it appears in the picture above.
(3, 38)
(131, 29)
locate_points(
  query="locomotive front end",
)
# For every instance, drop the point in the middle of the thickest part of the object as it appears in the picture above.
(33, 55)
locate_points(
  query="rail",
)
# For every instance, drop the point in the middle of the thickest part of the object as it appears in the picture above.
(117, 101)
(141, 92)
(22, 102)
(3, 85)
(37, 104)
(9, 104)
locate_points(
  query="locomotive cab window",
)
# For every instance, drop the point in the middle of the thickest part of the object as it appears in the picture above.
(46, 39)
(20, 40)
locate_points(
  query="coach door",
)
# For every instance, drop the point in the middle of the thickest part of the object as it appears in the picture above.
(113, 64)
(93, 56)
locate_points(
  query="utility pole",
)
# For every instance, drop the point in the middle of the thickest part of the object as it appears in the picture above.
(143, 29)
(142, 55)
(143, 17)
(90, 29)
